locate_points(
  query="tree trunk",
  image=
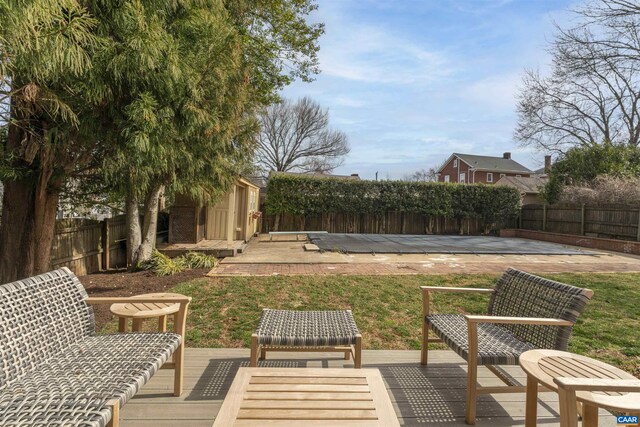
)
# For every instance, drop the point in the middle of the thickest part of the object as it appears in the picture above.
(429, 227)
(141, 239)
(134, 233)
(47, 193)
(16, 231)
(150, 224)
(28, 217)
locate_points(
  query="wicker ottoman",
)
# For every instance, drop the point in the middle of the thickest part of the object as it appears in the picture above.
(326, 331)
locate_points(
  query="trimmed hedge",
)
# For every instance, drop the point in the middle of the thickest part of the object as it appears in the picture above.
(305, 195)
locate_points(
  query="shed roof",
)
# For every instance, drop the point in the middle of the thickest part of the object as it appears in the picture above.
(246, 182)
(490, 163)
(530, 185)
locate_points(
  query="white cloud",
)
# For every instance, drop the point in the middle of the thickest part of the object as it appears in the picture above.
(371, 54)
(497, 93)
(348, 101)
(478, 6)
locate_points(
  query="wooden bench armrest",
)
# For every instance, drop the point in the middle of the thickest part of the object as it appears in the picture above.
(452, 289)
(518, 320)
(124, 300)
(598, 384)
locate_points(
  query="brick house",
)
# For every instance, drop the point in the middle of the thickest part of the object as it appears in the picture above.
(472, 169)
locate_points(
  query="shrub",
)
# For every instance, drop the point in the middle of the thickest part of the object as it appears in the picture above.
(197, 260)
(581, 166)
(161, 264)
(605, 190)
(307, 195)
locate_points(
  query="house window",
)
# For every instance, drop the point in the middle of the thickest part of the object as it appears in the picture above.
(489, 177)
(503, 175)
(446, 178)
(518, 176)
(455, 163)
(463, 178)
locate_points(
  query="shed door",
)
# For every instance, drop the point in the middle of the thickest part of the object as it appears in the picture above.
(217, 220)
(240, 213)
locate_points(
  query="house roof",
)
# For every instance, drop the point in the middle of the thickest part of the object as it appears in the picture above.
(489, 163)
(530, 185)
(541, 172)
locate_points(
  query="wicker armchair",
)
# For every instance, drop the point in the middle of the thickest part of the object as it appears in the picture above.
(525, 312)
(54, 370)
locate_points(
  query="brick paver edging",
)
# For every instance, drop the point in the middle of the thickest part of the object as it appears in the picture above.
(389, 269)
(613, 245)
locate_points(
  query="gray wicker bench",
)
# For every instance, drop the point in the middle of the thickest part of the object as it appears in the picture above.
(525, 312)
(307, 331)
(55, 371)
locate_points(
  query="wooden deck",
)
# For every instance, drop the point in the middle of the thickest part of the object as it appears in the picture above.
(421, 397)
(217, 248)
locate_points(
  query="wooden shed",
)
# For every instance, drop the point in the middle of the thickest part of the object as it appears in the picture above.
(233, 219)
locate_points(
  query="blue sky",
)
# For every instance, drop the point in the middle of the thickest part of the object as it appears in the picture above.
(411, 81)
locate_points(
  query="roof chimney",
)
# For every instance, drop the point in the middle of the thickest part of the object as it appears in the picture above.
(547, 164)
(506, 155)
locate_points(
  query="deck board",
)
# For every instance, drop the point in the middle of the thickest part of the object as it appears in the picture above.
(420, 396)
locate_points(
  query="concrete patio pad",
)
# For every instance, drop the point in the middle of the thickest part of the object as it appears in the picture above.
(264, 258)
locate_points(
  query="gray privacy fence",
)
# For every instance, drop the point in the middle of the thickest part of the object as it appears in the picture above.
(87, 246)
(613, 222)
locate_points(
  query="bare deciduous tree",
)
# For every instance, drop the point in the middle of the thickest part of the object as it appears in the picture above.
(297, 137)
(423, 175)
(593, 92)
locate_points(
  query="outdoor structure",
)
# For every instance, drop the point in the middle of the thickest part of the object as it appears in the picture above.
(232, 219)
(529, 187)
(472, 169)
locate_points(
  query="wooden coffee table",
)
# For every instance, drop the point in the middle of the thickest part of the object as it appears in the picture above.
(140, 311)
(301, 396)
(542, 366)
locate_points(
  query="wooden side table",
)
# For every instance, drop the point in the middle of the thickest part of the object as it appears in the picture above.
(140, 311)
(543, 366)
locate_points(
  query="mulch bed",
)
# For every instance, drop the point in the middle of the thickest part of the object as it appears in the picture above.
(124, 284)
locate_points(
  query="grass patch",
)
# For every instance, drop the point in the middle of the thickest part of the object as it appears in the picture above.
(387, 309)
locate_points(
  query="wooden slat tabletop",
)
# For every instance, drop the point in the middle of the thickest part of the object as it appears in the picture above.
(545, 365)
(146, 310)
(285, 396)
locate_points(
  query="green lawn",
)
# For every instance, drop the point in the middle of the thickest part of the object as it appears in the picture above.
(225, 311)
